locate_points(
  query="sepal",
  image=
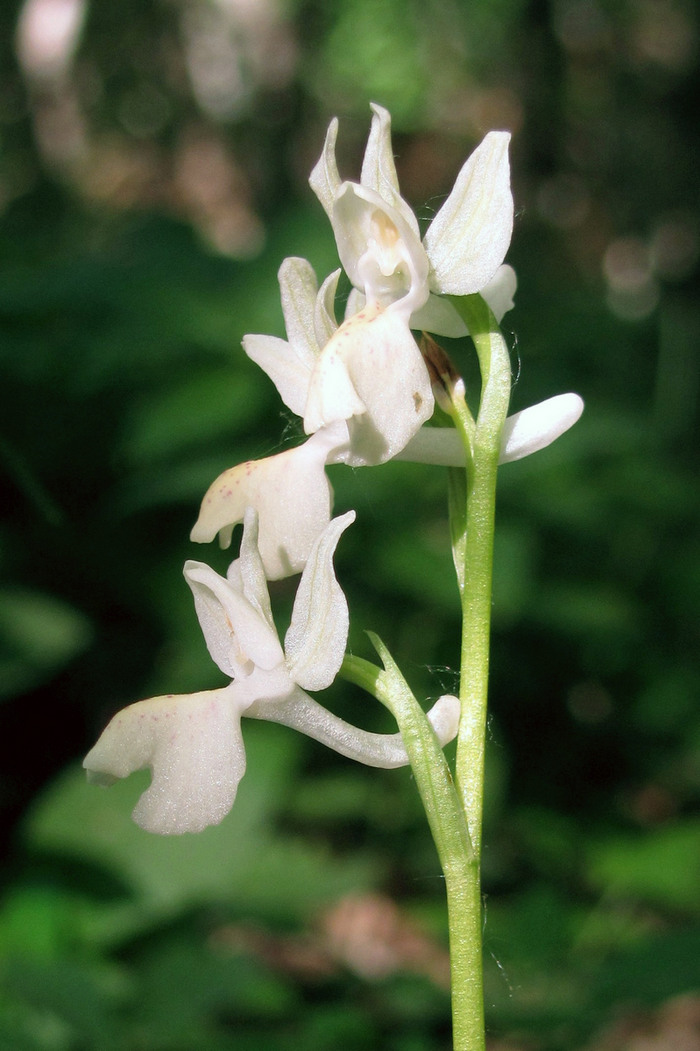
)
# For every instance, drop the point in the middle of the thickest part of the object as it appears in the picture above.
(318, 633)
(469, 237)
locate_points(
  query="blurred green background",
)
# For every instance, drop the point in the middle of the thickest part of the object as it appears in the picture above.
(153, 166)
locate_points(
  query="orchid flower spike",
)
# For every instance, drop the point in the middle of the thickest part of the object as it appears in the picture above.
(290, 490)
(193, 742)
(362, 388)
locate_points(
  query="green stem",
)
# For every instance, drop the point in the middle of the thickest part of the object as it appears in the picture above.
(477, 522)
(482, 468)
(454, 811)
(457, 857)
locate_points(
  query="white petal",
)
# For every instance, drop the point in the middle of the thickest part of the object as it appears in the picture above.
(303, 713)
(325, 323)
(238, 637)
(298, 291)
(524, 433)
(289, 364)
(290, 492)
(378, 168)
(441, 446)
(332, 395)
(251, 568)
(534, 428)
(356, 301)
(372, 374)
(500, 290)
(324, 179)
(439, 316)
(279, 360)
(469, 237)
(380, 251)
(193, 745)
(315, 642)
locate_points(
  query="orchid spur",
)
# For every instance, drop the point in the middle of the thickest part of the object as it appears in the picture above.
(193, 742)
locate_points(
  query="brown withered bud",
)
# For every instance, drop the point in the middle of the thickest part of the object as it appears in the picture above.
(443, 374)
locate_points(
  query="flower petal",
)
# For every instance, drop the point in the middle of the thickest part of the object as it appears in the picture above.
(441, 446)
(290, 492)
(380, 251)
(193, 745)
(525, 432)
(251, 568)
(469, 237)
(303, 713)
(324, 179)
(325, 324)
(289, 364)
(298, 291)
(279, 361)
(500, 291)
(378, 168)
(538, 426)
(372, 374)
(238, 637)
(315, 642)
(440, 317)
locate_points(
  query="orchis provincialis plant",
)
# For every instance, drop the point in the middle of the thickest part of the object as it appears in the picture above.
(193, 742)
(366, 391)
(362, 388)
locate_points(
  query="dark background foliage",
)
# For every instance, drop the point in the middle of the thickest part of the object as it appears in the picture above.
(152, 178)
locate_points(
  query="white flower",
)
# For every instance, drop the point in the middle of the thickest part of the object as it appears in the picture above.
(369, 372)
(193, 742)
(378, 237)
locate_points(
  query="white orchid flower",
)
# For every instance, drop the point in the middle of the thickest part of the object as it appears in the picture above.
(379, 241)
(193, 742)
(367, 372)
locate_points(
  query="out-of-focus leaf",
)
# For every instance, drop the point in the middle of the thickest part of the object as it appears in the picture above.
(660, 867)
(654, 969)
(194, 412)
(39, 634)
(55, 1005)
